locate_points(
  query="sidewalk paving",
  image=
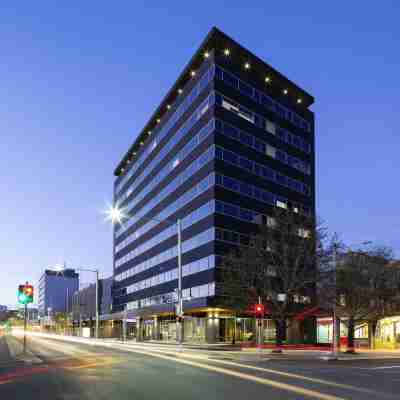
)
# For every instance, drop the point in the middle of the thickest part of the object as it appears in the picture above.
(266, 353)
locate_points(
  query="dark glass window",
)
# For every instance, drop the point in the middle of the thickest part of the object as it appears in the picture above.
(281, 179)
(230, 131)
(231, 183)
(230, 210)
(259, 146)
(246, 189)
(246, 139)
(245, 89)
(245, 163)
(246, 215)
(230, 157)
(230, 80)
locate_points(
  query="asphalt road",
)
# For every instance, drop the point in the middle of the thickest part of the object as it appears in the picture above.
(65, 370)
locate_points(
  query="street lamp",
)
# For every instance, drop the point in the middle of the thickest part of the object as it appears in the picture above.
(116, 215)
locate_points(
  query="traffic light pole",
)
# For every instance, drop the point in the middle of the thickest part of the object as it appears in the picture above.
(25, 320)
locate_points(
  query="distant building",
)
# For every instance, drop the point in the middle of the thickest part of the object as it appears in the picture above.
(55, 291)
(84, 300)
(106, 295)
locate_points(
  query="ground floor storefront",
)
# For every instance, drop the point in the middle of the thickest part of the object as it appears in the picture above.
(204, 326)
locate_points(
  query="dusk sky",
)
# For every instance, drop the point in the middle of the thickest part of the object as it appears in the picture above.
(79, 81)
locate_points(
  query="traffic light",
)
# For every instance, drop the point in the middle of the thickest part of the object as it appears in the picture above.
(29, 293)
(25, 294)
(259, 311)
(21, 294)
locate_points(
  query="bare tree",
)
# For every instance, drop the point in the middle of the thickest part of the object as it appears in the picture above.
(280, 265)
(366, 288)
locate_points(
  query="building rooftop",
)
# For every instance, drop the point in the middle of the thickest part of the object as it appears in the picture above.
(219, 43)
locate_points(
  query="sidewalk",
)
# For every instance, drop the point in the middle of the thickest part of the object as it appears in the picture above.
(266, 353)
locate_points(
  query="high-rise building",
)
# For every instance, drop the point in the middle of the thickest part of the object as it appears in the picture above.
(55, 291)
(232, 138)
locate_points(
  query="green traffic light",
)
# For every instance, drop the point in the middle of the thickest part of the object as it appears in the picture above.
(22, 298)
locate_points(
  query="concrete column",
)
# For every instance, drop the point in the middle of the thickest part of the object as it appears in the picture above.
(212, 329)
(156, 329)
(139, 329)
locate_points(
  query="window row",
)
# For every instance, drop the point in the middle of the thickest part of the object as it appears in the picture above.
(192, 218)
(165, 129)
(255, 192)
(187, 197)
(282, 134)
(178, 181)
(261, 146)
(262, 98)
(192, 268)
(243, 214)
(261, 170)
(205, 290)
(187, 245)
(168, 168)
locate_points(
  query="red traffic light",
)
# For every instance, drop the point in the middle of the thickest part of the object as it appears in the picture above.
(259, 310)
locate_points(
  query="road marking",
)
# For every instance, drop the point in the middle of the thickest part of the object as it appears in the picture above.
(264, 381)
(276, 372)
(93, 364)
(384, 367)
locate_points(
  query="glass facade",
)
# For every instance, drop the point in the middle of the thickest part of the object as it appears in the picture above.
(218, 165)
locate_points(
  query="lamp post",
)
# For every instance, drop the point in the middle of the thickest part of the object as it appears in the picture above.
(116, 215)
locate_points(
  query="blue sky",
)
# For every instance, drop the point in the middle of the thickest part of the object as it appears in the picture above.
(79, 81)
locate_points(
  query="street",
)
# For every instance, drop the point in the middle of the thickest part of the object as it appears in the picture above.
(60, 369)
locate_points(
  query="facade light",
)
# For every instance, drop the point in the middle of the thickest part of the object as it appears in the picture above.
(122, 169)
(299, 101)
(158, 120)
(149, 133)
(227, 52)
(247, 65)
(192, 73)
(180, 91)
(141, 143)
(206, 54)
(168, 106)
(267, 79)
(285, 91)
(134, 153)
